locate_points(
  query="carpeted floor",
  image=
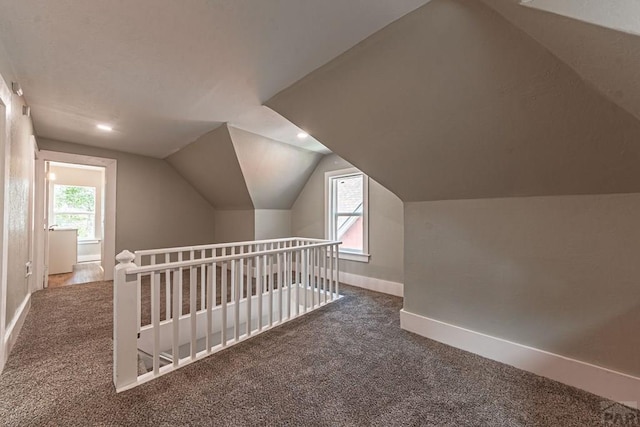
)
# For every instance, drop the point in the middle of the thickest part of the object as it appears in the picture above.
(346, 364)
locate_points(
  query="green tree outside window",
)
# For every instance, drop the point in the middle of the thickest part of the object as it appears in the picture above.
(75, 207)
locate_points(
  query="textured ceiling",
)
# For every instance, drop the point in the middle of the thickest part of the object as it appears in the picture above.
(454, 102)
(165, 72)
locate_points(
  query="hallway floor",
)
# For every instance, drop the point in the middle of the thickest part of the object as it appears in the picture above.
(85, 272)
(346, 364)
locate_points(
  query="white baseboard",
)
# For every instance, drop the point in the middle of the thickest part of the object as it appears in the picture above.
(373, 284)
(13, 330)
(604, 382)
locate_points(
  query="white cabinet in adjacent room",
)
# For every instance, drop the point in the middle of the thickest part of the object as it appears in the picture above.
(63, 250)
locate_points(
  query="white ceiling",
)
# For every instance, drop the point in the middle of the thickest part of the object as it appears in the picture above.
(264, 121)
(621, 15)
(164, 72)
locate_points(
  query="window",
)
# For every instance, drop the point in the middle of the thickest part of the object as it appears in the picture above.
(346, 206)
(75, 207)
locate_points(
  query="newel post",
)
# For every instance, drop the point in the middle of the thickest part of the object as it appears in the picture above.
(125, 323)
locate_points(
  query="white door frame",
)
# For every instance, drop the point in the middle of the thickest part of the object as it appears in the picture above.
(5, 149)
(109, 232)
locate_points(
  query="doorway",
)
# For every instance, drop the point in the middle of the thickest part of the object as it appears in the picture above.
(76, 223)
(76, 219)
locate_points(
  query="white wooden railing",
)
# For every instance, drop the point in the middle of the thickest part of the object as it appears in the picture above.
(178, 305)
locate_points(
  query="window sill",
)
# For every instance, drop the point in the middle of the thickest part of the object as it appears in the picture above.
(352, 256)
(88, 241)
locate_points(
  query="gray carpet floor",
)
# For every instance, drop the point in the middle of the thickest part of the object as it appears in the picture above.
(348, 363)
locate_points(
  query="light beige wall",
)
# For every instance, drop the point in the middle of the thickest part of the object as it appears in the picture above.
(19, 190)
(210, 165)
(272, 223)
(235, 225)
(80, 177)
(555, 273)
(385, 223)
(452, 101)
(274, 172)
(155, 206)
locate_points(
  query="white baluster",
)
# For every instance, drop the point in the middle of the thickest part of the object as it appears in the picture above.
(297, 282)
(180, 285)
(270, 264)
(331, 273)
(193, 308)
(259, 291)
(175, 323)
(280, 285)
(203, 280)
(249, 294)
(235, 278)
(209, 304)
(223, 293)
(167, 294)
(241, 274)
(337, 270)
(323, 254)
(155, 320)
(305, 277)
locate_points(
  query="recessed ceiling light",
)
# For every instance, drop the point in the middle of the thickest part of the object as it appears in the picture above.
(105, 128)
(303, 135)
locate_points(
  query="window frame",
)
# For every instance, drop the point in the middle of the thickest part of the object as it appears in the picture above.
(330, 214)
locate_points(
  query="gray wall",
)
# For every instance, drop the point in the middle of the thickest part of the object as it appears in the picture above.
(589, 49)
(210, 164)
(272, 223)
(452, 101)
(385, 223)
(20, 186)
(235, 225)
(555, 273)
(155, 206)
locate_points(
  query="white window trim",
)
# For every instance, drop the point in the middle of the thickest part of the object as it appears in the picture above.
(346, 254)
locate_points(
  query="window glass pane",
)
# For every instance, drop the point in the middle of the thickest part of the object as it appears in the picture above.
(71, 198)
(85, 223)
(75, 207)
(350, 231)
(349, 194)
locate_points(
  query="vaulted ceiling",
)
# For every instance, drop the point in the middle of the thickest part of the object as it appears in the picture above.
(454, 101)
(446, 99)
(234, 169)
(165, 72)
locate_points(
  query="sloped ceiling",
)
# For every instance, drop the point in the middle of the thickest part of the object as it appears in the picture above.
(274, 172)
(211, 166)
(453, 102)
(608, 59)
(164, 72)
(234, 169)
(622, 15)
